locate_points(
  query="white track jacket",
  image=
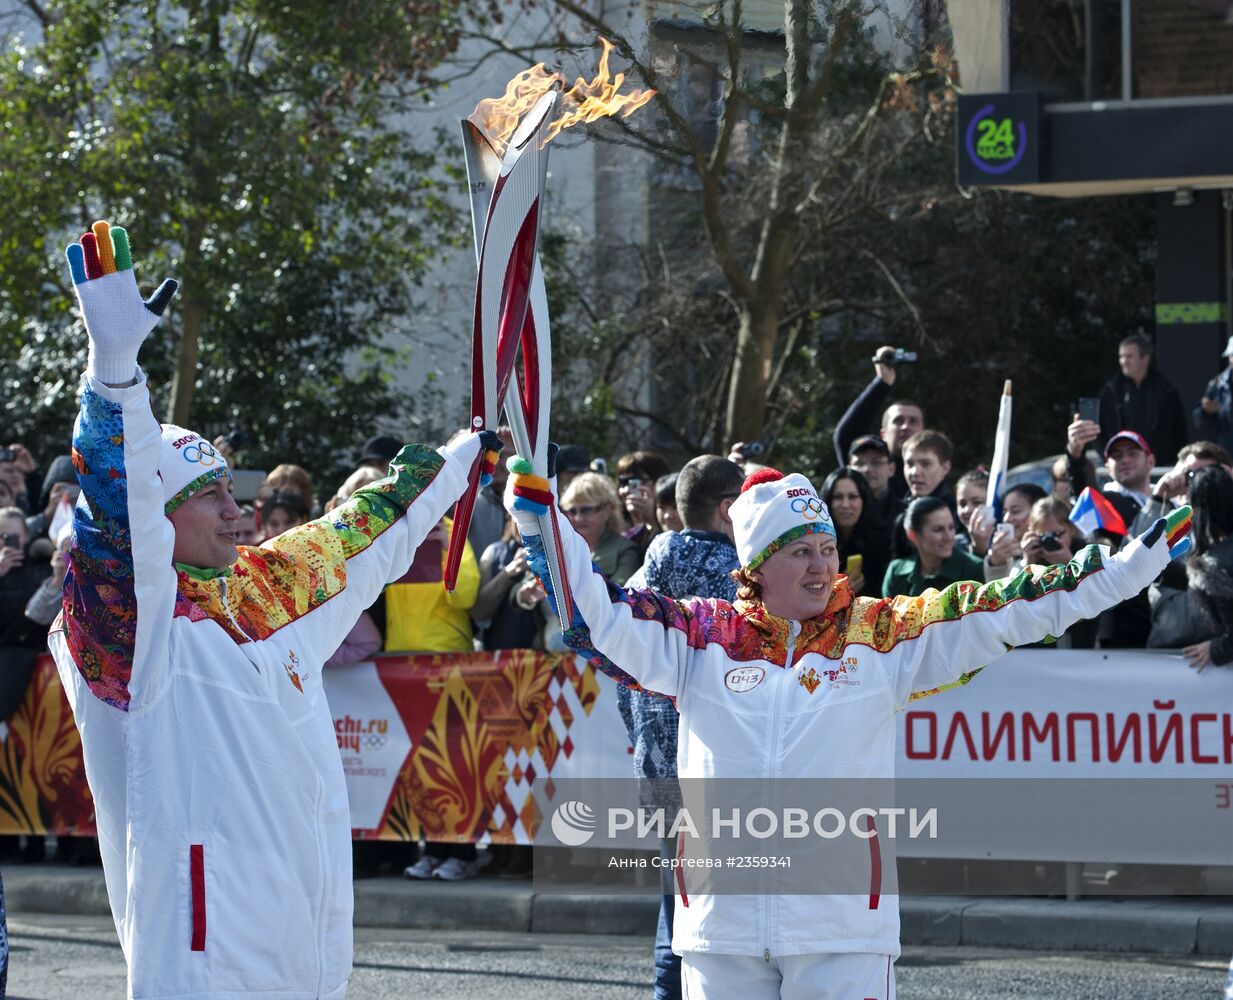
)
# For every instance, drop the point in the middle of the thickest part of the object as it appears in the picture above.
(210, 750)
(763, 698)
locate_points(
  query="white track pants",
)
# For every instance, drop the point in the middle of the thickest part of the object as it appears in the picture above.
(795, 977)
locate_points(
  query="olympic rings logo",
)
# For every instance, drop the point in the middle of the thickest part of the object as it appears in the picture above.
(374, 741)
(201, 453)
(809, 507)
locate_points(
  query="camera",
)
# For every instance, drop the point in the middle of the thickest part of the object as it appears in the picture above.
(630, 483)
(8, 455)
(11, 541)
(1050, 541)
(237, 439)
(898, 357)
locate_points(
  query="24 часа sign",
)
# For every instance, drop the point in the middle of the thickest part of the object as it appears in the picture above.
(998, 138)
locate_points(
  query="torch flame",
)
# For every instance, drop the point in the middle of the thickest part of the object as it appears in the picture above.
(585, 101)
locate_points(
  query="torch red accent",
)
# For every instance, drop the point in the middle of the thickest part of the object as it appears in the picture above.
(680, 869)
(196, 868)
(529, 383)
(89, 249)
(761, 476)
(515, 297)
(875, 864)
(462, 521)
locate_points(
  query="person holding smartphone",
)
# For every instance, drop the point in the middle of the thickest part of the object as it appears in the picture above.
(864, 538)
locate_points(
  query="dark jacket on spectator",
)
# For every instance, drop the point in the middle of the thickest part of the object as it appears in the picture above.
(864, 417)
(1211, 575)
(1217, 426)
(1154, 409)
(903, 576)
(17, 586)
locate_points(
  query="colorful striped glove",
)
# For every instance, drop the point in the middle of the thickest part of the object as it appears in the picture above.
(528, 497)
(491, 445)
(116, 317)
(1176, 529)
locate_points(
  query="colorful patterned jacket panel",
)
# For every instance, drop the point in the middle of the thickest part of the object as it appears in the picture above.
(120, 583)
(927, 643)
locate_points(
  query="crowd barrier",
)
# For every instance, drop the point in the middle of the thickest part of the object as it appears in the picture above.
(447, 746)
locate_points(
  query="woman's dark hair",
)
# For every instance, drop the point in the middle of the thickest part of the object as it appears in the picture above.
(292, 503)
(1211, 496)
(862, 487)
(648, 465)
(665, 489)
(1031, 492)
(921, 508)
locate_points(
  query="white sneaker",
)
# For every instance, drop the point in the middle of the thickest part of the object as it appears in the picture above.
(424, 868)
(453, 870)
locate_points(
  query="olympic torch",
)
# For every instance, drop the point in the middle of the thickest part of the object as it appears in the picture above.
(506, 254)
(505, 143)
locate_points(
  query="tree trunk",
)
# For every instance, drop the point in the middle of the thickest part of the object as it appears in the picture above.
(751, 372)
(192, 315)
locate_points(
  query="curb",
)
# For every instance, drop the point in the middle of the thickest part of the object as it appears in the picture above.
(1145, 925)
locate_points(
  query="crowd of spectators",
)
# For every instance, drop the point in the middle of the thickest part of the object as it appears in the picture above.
(906, 519)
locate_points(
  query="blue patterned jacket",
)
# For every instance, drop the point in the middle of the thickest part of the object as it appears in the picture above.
(678, 564)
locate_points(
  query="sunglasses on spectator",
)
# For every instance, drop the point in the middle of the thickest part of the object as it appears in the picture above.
(586, 510)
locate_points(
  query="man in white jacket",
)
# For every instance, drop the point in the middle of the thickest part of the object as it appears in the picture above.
(797, 679)
(193, 668)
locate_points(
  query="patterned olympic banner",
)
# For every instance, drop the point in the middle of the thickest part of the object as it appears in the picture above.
(442, 745)
(447, 745)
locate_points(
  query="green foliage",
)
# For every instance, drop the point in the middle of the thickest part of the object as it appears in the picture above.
(247, 145)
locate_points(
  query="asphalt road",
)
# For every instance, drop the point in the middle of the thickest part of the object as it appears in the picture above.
(67, 958)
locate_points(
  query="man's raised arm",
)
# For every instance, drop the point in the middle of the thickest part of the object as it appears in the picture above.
(120, 590)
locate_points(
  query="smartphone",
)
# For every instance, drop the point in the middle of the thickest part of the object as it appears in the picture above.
(854, 565)
(1089, 409)
(1003, 528)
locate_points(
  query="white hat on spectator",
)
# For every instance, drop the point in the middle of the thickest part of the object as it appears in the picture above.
(773, 510)
(187, 464)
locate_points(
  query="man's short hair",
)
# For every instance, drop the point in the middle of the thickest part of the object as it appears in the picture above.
(902, 402)
(1139, 340)
(1205, 449)
(934, 441)
(701, 485)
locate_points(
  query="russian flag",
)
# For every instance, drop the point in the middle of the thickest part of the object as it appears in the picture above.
(1093, 512)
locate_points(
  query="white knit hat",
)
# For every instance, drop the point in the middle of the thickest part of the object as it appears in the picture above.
(188, 463)
(772, 511)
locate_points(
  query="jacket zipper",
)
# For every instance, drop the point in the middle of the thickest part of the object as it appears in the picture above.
(773, 745)
(222, 594)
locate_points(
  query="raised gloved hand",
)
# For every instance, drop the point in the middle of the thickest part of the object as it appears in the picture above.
(1176, 529)
(117, 319)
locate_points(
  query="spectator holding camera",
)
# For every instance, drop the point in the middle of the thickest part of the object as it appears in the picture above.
(864, 538)
(1050, 537)
(18, 471)
(637, 474)
(899, 420)
(1196, 455)
(21, 639)
(1140, 399)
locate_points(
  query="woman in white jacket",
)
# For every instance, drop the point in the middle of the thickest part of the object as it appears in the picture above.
(800, 679)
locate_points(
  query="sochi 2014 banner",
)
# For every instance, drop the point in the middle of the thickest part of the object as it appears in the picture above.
(447, 746)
